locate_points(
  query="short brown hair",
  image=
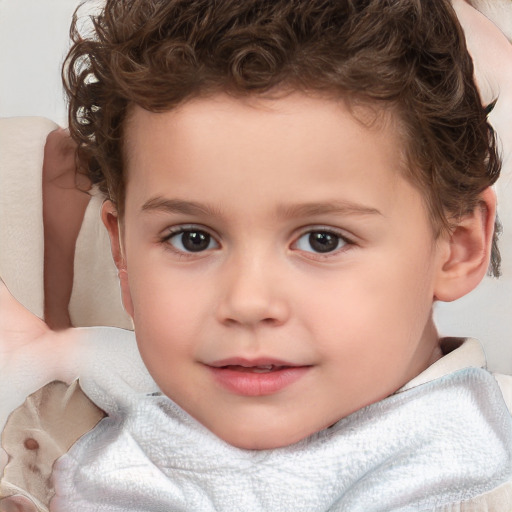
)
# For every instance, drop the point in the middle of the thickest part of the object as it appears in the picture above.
(406, 54)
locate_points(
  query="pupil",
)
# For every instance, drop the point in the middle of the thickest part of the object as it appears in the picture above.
(195, 241)
(323, 242)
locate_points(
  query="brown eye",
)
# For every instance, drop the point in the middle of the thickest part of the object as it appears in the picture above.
(320, 241)
(192, 240)
(323, 242)
(195, 241)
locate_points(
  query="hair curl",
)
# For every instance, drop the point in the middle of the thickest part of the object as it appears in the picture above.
(406, 54)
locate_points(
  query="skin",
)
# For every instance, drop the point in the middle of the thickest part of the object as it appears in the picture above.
(357, 319)
(64, 204)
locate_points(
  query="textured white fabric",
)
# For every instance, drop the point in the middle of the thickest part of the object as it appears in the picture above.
(436, 444)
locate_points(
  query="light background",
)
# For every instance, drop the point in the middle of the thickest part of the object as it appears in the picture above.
(33, 42)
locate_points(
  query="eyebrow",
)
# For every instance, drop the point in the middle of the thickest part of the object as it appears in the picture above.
(334, 207)
(160, 204)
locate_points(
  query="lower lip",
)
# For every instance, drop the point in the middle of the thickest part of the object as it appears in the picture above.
(258, 384)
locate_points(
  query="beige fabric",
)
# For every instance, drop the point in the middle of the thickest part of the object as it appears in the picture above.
(22, 141)
(461, 353)
(37, 434)
(458, 353)
(498, 500)
(96, 296)
(505, 382)
(498, 11)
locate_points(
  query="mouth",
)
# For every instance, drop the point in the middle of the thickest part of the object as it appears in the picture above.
(256, 377)
(266, 368)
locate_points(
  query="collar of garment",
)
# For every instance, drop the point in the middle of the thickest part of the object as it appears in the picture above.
(458, 353)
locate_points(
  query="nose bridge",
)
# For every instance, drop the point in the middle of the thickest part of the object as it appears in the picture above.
(252, 290)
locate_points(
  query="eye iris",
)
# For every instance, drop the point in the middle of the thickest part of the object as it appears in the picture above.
(195, 241)
(323, 242)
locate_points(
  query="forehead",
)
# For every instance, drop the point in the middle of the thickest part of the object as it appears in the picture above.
(298, 143)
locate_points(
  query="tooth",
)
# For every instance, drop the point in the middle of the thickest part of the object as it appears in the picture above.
(263, 369)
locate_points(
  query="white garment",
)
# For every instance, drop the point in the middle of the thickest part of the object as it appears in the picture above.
(440, 441)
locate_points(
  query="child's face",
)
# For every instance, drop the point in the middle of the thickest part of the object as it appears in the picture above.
(280, 270)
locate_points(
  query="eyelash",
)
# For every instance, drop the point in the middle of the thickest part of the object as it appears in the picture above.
(318, 255)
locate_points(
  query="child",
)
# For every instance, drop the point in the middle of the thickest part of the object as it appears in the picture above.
(291, 186)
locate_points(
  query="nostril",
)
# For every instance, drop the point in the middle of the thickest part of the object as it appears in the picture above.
(31, 444)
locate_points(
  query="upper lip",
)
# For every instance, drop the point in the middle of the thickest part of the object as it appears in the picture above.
(249, 363)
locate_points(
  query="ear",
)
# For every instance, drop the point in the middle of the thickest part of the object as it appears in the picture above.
(467, 250)
(111, 220)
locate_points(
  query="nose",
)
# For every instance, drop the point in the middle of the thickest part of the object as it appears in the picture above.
(253, 293)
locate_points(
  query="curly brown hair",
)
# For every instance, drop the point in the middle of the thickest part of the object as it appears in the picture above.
(409, 55)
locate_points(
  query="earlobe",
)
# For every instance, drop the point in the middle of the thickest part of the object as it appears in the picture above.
(467, 251)
(111, 221)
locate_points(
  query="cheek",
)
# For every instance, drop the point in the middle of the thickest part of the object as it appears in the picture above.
(169, 310)
(158, 288)
(389, 299)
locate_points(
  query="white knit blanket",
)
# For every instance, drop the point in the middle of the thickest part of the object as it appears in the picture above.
(436, 444)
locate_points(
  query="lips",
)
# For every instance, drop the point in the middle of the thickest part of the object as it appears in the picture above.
(256, 377)
(253, 369)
